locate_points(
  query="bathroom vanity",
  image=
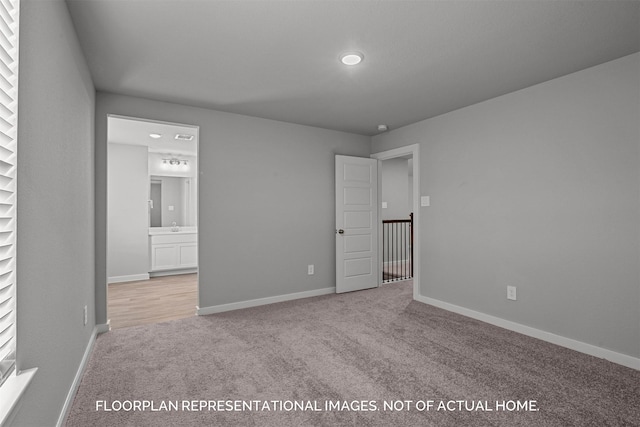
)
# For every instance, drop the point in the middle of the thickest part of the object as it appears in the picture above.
(173, 250)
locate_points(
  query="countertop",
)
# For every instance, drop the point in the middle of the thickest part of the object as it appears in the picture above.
(154, 231)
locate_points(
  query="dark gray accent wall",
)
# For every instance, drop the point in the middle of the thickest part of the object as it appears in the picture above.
(55, 260)
(539, 189)
(266, 200)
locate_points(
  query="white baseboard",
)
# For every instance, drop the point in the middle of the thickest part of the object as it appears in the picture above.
(76, 380)
(173, 272)
(129, 278)
(202, 311)
(592, 350)
(103, 327)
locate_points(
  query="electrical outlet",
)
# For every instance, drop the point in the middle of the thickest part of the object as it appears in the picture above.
(310, 269)
(511, 292)
(85, 315)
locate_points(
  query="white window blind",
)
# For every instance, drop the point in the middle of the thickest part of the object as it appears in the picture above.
(9, 10)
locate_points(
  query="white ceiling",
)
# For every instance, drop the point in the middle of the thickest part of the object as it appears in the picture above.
(124, 130)
(279, 59)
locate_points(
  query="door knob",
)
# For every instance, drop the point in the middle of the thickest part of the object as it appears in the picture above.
(341, 231)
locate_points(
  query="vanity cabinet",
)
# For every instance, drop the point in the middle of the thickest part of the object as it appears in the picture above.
(173, 251)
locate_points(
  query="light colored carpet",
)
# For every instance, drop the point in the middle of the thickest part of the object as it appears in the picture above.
(374, 345)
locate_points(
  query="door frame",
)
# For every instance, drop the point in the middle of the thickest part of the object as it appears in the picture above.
(414, 151)
(102, 276)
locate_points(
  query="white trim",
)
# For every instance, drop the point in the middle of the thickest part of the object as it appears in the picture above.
(76, 380)
(11, 392)
(103, 303)
(414, 151)
(174, 272)
(129, 278)
(203, 311)
(103, 327)
(592, 350)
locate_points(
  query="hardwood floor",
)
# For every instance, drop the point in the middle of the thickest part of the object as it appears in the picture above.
(151, 301)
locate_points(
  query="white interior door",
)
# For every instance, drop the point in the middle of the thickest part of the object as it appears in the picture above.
(356, 223)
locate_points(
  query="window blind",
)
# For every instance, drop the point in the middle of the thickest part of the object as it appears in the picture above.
(9, 10)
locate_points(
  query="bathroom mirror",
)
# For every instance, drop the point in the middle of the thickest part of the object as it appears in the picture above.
(172, 199)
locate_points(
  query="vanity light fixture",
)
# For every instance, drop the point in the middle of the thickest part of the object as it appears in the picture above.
(174, 161)
(351, 58)
(155, 135)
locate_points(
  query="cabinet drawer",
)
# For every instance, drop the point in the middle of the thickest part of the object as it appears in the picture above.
(174, 238)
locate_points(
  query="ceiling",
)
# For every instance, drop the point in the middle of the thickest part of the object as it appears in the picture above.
(279, 59)
(125, 130)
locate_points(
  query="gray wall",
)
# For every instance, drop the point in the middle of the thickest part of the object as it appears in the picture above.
(395, 189)
(55, 260)
(266, 202)
(128, 238)
(538, 189)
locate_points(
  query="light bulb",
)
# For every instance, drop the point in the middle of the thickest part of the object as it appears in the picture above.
(351, 58)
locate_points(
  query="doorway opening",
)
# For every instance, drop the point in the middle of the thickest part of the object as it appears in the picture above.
(152, 223)
(397, 218)
(399, 236)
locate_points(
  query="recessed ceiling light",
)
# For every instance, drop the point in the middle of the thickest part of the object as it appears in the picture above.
(155, 135)
(351, 58)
